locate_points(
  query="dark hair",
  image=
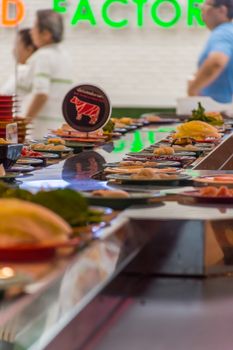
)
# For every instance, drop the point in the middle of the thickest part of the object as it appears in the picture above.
(228, 4)
(25, 35)
(51, 21)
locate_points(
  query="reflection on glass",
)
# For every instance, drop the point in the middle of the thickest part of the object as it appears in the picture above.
(35, 186)
(119, 146)
(137, 144)
(151, 137)
(82, 166)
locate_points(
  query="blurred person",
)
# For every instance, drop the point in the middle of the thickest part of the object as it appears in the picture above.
(214, 77)
(49, 73)
(23, 49)
(24, 46)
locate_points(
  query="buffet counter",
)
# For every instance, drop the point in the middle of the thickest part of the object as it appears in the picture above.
(61, 289)
(100, 297)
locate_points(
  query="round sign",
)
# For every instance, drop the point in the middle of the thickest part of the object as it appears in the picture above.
(86, 108)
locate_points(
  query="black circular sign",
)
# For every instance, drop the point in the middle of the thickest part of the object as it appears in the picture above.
(86, 108)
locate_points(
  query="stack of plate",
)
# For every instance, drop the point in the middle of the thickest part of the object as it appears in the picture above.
(23, 129)
(7, 109)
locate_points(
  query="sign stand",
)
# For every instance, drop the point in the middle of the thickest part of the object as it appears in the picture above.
(86, 108)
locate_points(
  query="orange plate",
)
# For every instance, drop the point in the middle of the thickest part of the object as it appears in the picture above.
(34, 252)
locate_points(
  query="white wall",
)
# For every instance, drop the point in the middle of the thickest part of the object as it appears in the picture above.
(136, 67)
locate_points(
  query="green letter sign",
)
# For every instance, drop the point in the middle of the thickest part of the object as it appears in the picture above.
(140, 5)
(84, 13)
(194, 11)
(59, 6)
(108, 20)
(167, 24)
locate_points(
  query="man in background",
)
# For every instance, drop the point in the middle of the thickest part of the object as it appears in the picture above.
(49, 73)
(214, 77)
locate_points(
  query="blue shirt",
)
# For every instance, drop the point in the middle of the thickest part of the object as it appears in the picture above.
(220, 40)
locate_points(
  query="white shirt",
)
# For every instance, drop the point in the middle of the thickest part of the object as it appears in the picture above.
(49, 72)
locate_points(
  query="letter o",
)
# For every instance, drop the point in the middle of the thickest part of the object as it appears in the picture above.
(173, 21)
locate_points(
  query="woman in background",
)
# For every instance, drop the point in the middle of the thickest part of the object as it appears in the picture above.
(23, 49)
(49, 73)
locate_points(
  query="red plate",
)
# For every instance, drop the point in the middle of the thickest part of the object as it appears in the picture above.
(207, 141)
(198, 198)
(34, 252)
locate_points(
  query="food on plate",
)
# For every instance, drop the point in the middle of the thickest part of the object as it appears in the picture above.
(67, 203)
(27, 223)
(137, 164)
(185, 148)
(163, 151)
(195, 129)
(214, 118)
(126, 121)
(49, 147)
(56, 141)
(2, 170)
(183, 141)
(218, 179)
(4, 142)
(67, 130)
(152, 164)
(131, 164)
(148, 174)
(26, 152)
(136, 170)
(110, 193)
(153, 118)
(109, 127)
(211, 191)
(226, 178)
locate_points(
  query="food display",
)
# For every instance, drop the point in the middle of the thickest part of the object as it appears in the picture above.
(56, 141)
(212, 191)
(153, 118)
(151, 175)
(213, 118)
(68, 132)
(210, 194)
(135, 170)
(53, 208)
(185, 148)
(4, 142)
(110, 194)
(123, 121)
(137, 164)
(196, 130)
(216, 180)
(109, 127)
(26, 152)
(48, 147)
(28, 223)
(164, 151)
